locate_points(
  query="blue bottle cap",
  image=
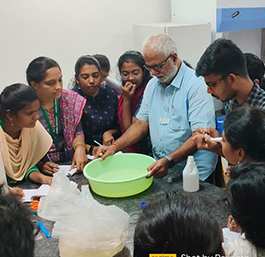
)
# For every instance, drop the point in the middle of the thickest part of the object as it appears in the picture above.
(143, 204)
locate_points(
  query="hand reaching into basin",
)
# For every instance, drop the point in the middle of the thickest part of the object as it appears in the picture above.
(104, 151)
(158, 169)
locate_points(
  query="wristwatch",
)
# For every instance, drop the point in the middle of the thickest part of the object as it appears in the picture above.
(170, 161)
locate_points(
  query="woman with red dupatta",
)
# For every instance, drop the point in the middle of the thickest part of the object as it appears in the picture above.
(134, 79)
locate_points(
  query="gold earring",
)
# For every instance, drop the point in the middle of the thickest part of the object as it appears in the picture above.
(238, 162)
(11, 121)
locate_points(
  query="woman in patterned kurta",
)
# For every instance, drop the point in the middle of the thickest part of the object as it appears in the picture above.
(60, 114)
(100, 111)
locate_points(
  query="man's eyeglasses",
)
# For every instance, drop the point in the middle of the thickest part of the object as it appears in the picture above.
(157, 67)
(212, 85)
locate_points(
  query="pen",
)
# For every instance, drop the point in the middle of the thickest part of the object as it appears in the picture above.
(96, 142)
(232, 226)
(216, 139)
(49, 158)
(43, 229)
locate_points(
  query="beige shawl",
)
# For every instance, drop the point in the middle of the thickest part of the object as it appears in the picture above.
(20, 155)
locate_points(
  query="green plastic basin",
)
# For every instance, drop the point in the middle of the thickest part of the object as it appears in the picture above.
(119, 175)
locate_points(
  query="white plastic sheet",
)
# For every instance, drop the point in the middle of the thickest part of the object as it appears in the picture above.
(84, 226)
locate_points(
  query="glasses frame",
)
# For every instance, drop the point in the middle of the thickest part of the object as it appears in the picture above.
(212, 85)
(157, 67)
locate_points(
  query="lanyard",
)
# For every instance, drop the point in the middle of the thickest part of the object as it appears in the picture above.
(2, 125)
(56, 134)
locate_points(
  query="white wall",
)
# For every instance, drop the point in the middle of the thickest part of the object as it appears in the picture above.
(194, 11)
(67, 29)
(183, 34)
(249, 41)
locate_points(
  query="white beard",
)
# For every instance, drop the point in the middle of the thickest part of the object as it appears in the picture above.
(171, 74)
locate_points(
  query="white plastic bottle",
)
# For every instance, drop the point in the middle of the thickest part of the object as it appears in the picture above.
(190, 176)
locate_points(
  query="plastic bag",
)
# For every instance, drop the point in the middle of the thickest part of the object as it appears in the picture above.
(84, 226)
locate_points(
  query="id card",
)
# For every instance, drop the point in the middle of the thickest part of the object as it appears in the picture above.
(165, 121)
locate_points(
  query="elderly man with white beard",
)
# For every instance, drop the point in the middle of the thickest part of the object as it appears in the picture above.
(175, 103)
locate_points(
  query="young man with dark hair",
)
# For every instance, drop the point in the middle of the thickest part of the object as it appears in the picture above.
(224, 69)
(223, 66)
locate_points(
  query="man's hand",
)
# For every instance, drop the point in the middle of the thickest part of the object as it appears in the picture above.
(212, 132)
(104, 151)
(158, 169)
(203, 141)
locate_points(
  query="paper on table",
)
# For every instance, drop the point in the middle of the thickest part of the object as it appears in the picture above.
(30, 194)
(66, 170)
(90, 157)
(230, 235)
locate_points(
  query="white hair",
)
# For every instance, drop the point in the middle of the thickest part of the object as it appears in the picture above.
(160, 43)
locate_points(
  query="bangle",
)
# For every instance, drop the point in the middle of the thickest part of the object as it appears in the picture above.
(90, 152)
(117, 146)
(79, 143)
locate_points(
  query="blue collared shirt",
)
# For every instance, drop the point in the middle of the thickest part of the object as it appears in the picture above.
(173, 112)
